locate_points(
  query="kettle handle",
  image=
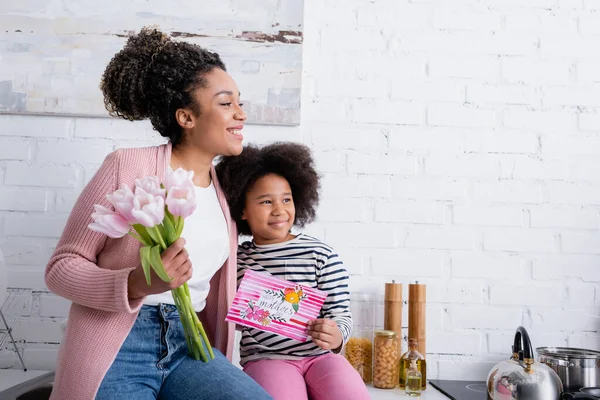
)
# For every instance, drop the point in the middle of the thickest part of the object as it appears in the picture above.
(522, 345)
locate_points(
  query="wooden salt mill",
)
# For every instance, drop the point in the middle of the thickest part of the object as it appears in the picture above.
(417, 296)
(392, 310)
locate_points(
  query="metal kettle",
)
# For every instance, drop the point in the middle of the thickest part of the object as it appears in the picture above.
(521, 378)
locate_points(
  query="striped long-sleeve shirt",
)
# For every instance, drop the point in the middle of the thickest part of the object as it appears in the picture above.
(306, 261)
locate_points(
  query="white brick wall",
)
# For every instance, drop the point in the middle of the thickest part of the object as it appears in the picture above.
(458, 143)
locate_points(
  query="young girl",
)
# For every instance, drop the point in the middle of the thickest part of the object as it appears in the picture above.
(269, 190)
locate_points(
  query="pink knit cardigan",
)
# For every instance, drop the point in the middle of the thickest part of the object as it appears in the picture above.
(91, 270)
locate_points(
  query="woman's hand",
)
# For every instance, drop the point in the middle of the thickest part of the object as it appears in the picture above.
(177, 265)
(325, 333)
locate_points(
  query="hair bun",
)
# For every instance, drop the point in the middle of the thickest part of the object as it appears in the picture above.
(124, 80)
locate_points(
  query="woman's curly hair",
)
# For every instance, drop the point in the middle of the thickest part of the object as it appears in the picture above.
(292, 161)
(153, 76)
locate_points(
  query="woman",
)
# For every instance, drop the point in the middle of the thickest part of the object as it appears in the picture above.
(124, 338)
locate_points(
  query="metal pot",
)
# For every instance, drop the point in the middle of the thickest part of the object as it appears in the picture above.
(521, 378)
(576, 368)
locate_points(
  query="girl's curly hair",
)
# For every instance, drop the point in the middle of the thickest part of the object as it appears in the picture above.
(292, 161)
(153, 76)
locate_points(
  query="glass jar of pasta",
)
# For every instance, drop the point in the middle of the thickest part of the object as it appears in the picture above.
(386, 359)
(359, 348)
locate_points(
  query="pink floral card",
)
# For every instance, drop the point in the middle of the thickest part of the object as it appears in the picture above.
(275, 305)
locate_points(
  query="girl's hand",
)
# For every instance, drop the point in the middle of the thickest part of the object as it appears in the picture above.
(177, 265)
(325, 333)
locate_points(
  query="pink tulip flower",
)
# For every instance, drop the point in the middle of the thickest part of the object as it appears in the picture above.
(108, 222)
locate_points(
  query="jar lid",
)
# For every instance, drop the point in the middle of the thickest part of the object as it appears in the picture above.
(385, 333)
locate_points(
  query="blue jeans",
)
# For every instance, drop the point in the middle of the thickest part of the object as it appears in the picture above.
(153, 363)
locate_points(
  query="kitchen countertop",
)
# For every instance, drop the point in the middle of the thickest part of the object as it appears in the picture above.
(15, 382)
(383, 394)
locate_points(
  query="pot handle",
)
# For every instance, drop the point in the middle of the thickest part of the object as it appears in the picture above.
(569, 396)
(522, 345)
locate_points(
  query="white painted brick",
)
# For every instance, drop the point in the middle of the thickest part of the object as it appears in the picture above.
(563, 266)
(65, 201)
(403, 17)
(571, 4)
(393, 65)
(501, 343)
(572, 46)
(113, 128)
(507, 191)
(524, 294)
(357, 186)
(425, 140)
(546, 216)
(381, 164)
(584, 168)
(589, 341)
(589, 122)
(369, 87)
(451, 238)
(429, 188)
(433, 319)
(387, 112)
(486, 68)
(539, 121)
(553, 319)
(72, 152)
(445, 18)
(35, 126)
(496, 94)
(442, 91)
(330, 110)
(35, 226)
(402, 263)
(43, 331)
(26, 252)
(346, 38)
(336, 209)
(457, 292)
(571, 96)
(26, 278)
(465, 369)
(14, 149)
(488, 265)
(541, 21)
(591, 5)
(520, 240)
(42, 176)
(470, 43)
(534, 71)
(413, 212)
(589, 24)
(467, 165)
(454, 343)
(580, 193)
(487, 215)
(588, 72)
(484, 317)
(511, 4)
(453, 115)
(353, 137)
(360, 235)
(330, 161)
(327, 8)
(356, 261)
(581, 294)
(54, 306)
(559, 145)
(528, 167)
(580, 242)
(19, 199)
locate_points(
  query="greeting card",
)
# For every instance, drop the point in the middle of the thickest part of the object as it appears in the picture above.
(275, 305)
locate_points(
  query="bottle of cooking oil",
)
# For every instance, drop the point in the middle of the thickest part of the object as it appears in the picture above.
(405, 362)
(413, 380)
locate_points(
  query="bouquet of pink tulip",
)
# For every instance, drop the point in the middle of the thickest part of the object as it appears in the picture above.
(156, 213)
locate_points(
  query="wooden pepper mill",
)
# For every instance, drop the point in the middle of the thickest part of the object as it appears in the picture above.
(392, 310)
(417, 300)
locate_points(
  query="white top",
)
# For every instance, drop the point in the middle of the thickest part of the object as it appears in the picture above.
(207, 242)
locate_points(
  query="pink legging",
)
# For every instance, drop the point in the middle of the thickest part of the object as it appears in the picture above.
(325, 377)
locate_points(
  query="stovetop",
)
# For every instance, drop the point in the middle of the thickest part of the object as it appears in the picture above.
(461, 390)
(464, 390)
